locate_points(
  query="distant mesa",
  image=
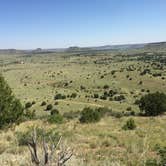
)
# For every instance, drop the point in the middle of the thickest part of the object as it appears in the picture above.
(73, 48)
(9, 51)
(37, 50)
(160, 46)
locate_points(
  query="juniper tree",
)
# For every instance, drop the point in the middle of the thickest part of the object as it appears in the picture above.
(11, 109)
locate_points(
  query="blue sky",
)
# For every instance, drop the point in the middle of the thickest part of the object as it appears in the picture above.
(26, 24)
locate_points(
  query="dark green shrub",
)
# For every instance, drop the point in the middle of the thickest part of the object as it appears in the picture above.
(28, 105)
(157, 75)
(137, 102)
(104, 111)
(162, 154)
(116, 114)
(106, 86)
(129, 113)
(114, 76)
(113, 72)
(101, 77)
(43, 103)
(119, 98)
(146, 71)
(112, 93)
(55, 118)
(132, 113)
(49, 107)
(142, 90)
(56, 103)
(73, 95)
(82, 87)
(103, 97)
(66, 84)
(110, 99)
(130, 125)
(140, 83)
(54, 111)
(96, 96)
(11, 110)
(128, 108)
(89, 115)
(59, 96)
(33, 102)
(153, 104)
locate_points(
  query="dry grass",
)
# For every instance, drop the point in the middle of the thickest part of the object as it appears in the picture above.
(103, 143)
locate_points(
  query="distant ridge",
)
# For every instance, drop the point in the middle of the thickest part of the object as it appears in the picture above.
(146, 46)
(161, 46)
(156, 46)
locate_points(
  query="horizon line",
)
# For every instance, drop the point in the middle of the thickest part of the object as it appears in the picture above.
(116, 44)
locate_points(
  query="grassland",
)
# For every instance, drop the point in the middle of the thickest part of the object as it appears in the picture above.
(40, 77)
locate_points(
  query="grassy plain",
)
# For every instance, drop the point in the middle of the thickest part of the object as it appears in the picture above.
(41, 76)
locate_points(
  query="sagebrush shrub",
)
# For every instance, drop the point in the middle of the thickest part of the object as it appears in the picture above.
(24, 137)
(130, 125)
(89, 115)
(55, 118)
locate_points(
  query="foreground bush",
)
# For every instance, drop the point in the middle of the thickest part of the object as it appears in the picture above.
(89, 115)
(50, 153)
(55, 118)
(11, 110)
(161, 161)
(151, 162)
(24, 137)
(29, 114)
(162, 154)
(153, 104)
(130, 125)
